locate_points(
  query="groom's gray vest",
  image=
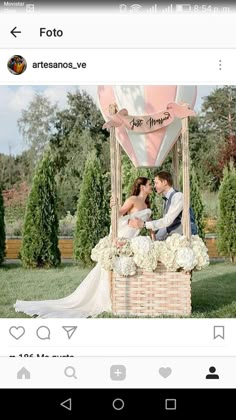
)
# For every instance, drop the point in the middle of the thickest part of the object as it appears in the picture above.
(176, 226)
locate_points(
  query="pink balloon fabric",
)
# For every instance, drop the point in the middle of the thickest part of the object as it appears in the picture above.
(147, 149)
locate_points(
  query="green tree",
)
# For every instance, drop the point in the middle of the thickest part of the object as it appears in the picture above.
(78, 132)
(37, 125)
(40, 232)
(226, 226)
(212, 139)
(92, 211)
(78, 128)
(219, 109)
(219, 122)
(2, 230)
(14, 169)
(200, 146)
(196, 202)
(129, 174)
(70, 177)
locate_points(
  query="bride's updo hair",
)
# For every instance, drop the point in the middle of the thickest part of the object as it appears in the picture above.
(136, 188)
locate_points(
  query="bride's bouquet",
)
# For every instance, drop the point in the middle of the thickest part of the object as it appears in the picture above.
(176, 253)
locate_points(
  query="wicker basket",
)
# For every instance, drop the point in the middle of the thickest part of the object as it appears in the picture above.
(152, 294)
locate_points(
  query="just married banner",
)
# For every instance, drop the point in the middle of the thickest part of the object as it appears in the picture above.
(149, 123)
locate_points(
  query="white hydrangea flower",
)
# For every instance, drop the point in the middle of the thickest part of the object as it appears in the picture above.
(104, 243)
(176, 241)
(126, 249)
(186, 259)
(175, 253)
(200, 250)
(141, 244)
(106, 259)
(172, 242)
(167, 258)
(197, 241)
(124, 266)
(147, 262)
(159, 248)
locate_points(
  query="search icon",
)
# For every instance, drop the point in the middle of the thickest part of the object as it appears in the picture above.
(70, 372)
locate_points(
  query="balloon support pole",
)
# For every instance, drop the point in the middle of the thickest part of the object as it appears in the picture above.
(186, 183)
(115, 176)
(175, 164)
(116, 184)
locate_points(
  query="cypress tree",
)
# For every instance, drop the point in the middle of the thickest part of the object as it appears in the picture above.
(92, 211)
(196, 202)
(41, 225)
(226, 225)
(2, 230)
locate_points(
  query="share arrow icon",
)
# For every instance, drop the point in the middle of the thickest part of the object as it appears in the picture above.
(69, 331)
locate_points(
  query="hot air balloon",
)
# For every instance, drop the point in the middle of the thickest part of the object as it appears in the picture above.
(148, 122)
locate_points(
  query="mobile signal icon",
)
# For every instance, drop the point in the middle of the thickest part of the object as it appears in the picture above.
(153, 9)
(168, 9)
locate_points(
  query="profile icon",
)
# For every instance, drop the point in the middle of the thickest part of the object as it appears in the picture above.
(212, 374)
(17, 64)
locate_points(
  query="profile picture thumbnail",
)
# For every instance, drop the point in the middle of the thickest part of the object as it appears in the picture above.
(17, 64)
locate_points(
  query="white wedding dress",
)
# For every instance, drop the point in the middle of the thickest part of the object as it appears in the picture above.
(92, 296)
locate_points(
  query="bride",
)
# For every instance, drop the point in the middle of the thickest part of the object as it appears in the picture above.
(92, 297)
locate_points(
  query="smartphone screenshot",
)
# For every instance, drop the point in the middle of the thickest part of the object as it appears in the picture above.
(117, 208)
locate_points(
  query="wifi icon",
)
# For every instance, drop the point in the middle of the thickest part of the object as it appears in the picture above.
(135, 8)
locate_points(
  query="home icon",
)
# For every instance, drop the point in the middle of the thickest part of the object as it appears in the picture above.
(23, 374)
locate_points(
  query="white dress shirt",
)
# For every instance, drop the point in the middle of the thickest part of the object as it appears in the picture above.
(176, 206)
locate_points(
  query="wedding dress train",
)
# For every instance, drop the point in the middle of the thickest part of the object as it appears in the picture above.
(92, 296)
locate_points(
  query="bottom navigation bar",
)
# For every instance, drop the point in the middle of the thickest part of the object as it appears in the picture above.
(118, 372)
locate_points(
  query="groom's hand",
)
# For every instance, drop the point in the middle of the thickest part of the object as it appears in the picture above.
(136, 223)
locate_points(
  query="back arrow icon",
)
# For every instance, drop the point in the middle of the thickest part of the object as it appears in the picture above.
(67, 404)
(14, 32)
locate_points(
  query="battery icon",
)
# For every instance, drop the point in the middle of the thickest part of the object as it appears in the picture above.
(182, 8)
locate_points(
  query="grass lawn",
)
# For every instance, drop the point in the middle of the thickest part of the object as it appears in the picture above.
(213, 289)
(19, 283)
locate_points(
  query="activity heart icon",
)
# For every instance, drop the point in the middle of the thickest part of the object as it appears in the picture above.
(165, 372)
(17, 332)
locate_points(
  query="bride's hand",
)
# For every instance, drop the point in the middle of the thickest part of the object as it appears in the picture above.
(113, 202)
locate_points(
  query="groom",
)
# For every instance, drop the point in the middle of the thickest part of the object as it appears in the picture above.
(173, 206)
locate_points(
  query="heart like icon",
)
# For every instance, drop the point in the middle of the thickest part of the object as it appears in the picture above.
(165, 372)
(17, 332)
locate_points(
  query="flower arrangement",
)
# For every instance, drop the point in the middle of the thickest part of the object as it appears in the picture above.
(176, 253)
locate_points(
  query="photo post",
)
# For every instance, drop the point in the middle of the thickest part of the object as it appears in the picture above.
(82, 202)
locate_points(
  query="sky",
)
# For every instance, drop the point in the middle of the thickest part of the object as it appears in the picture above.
(13, 99)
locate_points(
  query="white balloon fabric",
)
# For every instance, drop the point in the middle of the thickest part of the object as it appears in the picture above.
(146, 149)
